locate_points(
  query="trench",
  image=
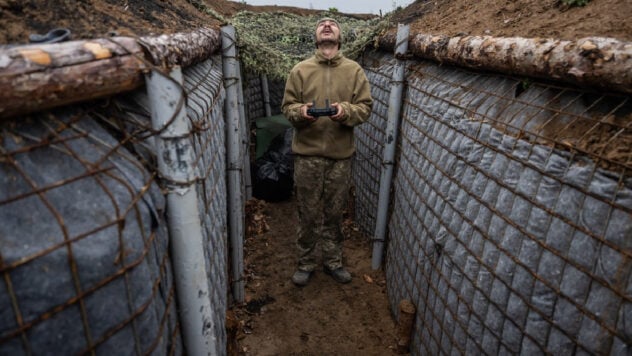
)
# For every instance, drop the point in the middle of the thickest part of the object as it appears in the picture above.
(323, 317)
(509, 224)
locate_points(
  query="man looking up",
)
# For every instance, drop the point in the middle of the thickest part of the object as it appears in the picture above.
(323, 147)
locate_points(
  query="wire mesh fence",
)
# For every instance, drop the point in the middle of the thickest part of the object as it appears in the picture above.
(204, 88)
(511, 212)
(370, 138)
(255, 98)
(85, 259)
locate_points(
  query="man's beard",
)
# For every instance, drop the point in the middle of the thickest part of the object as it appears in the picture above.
(327, 42)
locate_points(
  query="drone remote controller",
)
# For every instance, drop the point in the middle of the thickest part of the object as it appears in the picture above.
(326, 111)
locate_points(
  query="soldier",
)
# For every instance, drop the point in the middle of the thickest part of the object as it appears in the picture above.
(323, 147)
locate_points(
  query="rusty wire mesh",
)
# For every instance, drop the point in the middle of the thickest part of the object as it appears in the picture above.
(511, 223)
(205, 96)
(84, 252)
(370, 138)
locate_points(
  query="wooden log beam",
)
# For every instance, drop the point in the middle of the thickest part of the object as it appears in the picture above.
(594, 62)
(183, 49)
(40, 77)
(43, 76)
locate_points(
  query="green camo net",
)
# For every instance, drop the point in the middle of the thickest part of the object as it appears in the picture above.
(272, 43)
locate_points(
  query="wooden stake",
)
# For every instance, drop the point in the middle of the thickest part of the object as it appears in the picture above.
(405, 325)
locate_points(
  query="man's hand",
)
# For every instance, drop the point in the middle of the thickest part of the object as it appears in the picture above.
(304, 113)
(340, 112)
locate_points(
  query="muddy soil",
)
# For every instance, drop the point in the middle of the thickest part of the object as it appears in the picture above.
(322, 318)
(525, 18)
(521, 18)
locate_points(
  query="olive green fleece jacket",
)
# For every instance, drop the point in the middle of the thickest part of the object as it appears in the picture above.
(316, 79)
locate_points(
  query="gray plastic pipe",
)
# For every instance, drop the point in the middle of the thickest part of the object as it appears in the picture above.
(266, 95)
(175, 163)
(390, 146)
(234, 165)
(245, 152)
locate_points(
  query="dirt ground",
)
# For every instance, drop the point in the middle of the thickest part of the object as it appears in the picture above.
(525, 18)
(324, 318)
(89, 19)
(521, 18)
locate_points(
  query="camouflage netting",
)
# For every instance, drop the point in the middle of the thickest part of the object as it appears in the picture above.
(272, 43)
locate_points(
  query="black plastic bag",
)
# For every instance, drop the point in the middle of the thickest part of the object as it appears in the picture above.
(274, 171)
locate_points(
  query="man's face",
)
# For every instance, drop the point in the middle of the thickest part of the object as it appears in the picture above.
(327, 31)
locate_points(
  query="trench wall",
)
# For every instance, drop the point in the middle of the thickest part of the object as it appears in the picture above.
(84, 255)
(505, 242)
(254, 100)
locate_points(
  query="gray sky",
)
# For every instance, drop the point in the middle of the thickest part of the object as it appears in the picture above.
(346, 6)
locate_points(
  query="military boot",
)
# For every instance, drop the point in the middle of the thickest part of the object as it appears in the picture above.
(340, 274)
(301, 278)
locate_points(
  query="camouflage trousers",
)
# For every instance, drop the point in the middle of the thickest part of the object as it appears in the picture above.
(322, 187)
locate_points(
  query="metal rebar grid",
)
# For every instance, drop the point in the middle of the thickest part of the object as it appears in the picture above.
(511, 214)
(370, 137)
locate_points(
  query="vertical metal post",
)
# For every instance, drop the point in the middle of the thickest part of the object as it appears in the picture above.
(175, 163)
(246, 136)
(236, 204)
(392, 131)
(266, 95)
